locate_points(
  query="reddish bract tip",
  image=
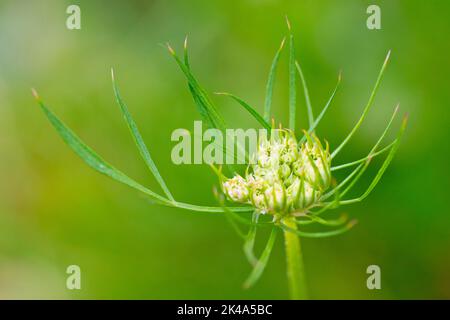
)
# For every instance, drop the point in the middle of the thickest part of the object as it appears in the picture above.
(352, 223)
(282, 43)
(172, 52)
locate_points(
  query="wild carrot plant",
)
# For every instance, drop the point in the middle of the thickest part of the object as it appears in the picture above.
(287, 187)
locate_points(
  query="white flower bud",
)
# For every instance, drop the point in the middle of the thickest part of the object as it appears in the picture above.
(307, 195)
(263, 158)
(269, 175)
(236, 189)
(315, 165)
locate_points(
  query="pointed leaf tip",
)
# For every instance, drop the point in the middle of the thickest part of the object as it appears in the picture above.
(35, 94)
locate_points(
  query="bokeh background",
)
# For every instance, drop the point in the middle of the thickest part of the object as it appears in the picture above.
(55, 211)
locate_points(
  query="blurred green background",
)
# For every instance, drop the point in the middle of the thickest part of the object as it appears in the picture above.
(55, 211)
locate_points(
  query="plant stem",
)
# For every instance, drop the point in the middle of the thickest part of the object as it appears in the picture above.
(295, 269)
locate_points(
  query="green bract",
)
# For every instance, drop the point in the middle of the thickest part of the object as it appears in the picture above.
(287, 178)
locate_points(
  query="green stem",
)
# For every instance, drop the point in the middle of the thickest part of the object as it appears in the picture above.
(295, 269)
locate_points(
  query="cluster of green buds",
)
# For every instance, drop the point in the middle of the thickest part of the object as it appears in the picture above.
(285, 176)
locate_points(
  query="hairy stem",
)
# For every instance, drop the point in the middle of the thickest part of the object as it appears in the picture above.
(295, 269)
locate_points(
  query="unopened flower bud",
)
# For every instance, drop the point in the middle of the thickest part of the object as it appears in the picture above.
(257, 187)
(292, 192)
(297, 167)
